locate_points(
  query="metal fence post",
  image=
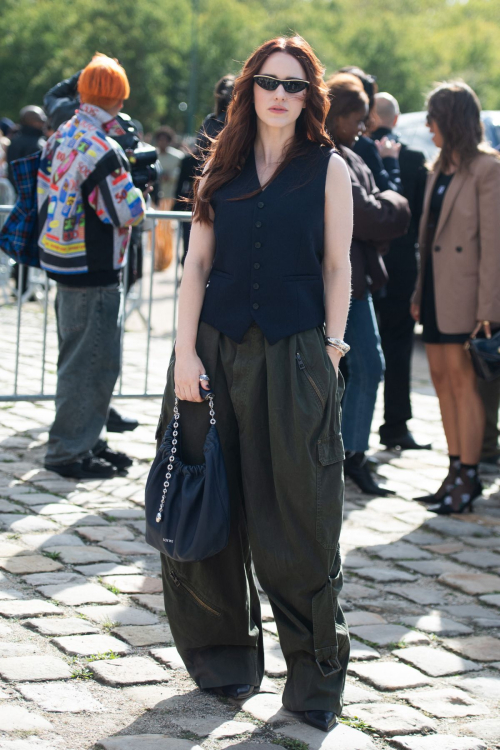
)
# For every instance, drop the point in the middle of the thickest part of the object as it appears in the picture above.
(17, 318)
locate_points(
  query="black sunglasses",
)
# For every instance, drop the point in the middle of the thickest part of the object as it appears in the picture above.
(291, 86)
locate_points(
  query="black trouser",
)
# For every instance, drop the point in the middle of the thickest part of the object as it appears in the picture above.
(396, 333)
(278, 416)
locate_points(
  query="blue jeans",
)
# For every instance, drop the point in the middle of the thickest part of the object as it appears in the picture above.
(89, 330)
(366, 365)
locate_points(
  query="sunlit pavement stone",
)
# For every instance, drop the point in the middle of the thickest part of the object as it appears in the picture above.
(436, 662)
(446, 703)
(133, 670)
(59, 697)
(34, 668)
(341, 736)
(147, 742)
(438, 742)
(19, 719)
(88, 645)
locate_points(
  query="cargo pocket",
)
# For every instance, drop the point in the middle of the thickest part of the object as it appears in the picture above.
(329, 490)
(324, 613)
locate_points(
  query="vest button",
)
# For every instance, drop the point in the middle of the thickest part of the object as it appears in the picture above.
(255, 286)
(258, 244)
(256, 266)
(258, 224)
(437, 249)
(260, 204)
(255, 305)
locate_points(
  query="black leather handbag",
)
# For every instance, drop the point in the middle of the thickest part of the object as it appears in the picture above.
(187, 507)
(485, 355)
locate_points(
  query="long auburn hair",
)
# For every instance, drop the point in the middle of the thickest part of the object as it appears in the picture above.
(231, 148)
(456, 110)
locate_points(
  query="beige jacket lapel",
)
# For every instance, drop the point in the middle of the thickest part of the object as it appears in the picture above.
(449, 199)
(431, 181)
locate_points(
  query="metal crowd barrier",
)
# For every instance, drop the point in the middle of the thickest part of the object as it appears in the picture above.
(40, 284)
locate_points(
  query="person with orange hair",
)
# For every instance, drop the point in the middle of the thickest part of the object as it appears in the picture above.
(87, 204)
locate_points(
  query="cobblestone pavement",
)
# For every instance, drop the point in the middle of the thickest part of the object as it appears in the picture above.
(86, 655)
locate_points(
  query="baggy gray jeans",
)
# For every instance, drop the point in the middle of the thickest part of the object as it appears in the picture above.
(278, 416)
(88, 330)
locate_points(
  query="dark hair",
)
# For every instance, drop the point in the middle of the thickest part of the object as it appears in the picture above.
(456, 110)
(223, 94)
(167, 132)
(232, 147)
(346, 95)
(369, 82)
(32, 116)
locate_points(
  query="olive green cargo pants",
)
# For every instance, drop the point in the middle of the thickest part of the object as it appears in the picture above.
(278, 416)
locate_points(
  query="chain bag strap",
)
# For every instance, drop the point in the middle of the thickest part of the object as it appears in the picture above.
(175, 433)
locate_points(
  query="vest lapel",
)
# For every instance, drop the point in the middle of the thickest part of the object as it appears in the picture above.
(449, 199)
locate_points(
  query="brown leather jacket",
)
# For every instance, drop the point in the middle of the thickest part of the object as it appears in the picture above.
(378, 219)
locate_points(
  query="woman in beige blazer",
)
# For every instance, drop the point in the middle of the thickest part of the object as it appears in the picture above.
(458, 288)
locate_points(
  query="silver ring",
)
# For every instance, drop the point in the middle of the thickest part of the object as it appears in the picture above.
(204, 377)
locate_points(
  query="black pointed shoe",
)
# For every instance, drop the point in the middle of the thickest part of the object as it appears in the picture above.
(102, 450)
(117, 423)
(236, 692)
(356, 468)
(405, 442)
(324, 720)
(89, 467)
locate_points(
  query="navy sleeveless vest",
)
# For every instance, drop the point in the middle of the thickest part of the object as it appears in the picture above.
(267, 266)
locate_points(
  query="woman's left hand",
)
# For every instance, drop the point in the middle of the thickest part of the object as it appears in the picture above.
(482, 324)
(335, 356)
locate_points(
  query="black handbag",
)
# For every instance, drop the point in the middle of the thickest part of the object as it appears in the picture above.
(187, 507)
(485, 355)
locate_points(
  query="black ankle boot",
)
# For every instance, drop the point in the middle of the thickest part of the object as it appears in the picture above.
(356, 468)
(236, 692)
(324, 720)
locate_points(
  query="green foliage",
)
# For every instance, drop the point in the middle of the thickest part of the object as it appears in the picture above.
(290, 744)
(82, 673)
(113, 589)
(109, 625)
(356, 723)
(406, 45)
(52, 555)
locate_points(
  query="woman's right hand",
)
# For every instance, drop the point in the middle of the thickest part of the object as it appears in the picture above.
(187, 371)
(415, 312)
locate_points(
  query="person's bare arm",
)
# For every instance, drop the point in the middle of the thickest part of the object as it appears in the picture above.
(336, 260)
(188, 366)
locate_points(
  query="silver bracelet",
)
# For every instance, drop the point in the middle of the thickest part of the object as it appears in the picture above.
(337, 344)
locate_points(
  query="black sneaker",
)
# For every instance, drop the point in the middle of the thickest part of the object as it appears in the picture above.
(87, 468)
(117, 423)
(102, 450)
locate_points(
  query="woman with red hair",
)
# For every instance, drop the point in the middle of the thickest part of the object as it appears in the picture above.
(266, 275)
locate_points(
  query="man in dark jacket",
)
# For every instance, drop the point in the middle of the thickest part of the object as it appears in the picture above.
(30, 138)
(393, 302)
(61, 102)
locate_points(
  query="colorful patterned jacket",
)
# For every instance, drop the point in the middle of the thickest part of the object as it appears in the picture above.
(87, 201)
